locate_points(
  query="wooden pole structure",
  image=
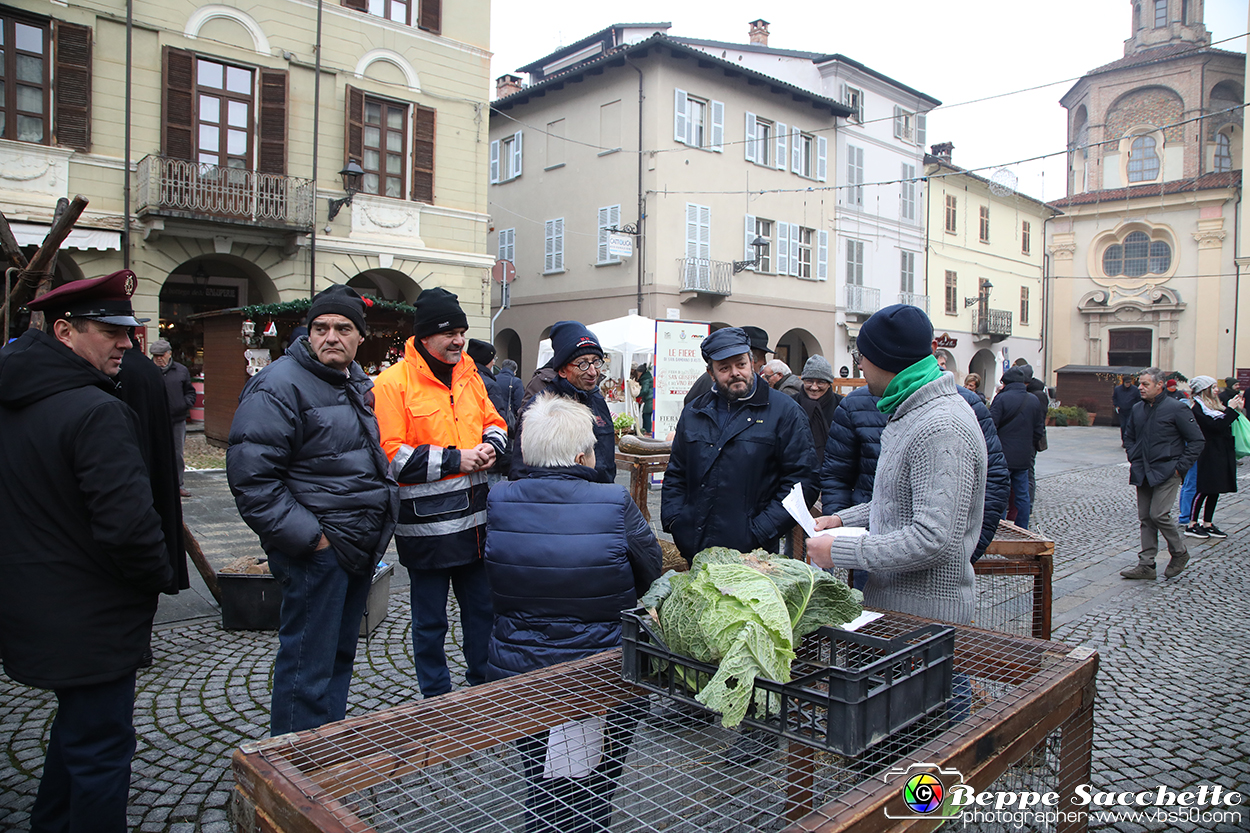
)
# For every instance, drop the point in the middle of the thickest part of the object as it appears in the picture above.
(40, 267)
(201, 563)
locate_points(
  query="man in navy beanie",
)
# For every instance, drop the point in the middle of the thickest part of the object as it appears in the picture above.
(924, 518)
(573, 372)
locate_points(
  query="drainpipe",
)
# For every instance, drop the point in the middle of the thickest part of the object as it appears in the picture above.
(641, 203)
(1237, 271)
(1046, 298)
(312, 248)
(126, 141)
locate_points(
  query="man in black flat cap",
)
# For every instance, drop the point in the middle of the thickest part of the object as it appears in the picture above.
(758, 339)
(739, 449)
(83, 557)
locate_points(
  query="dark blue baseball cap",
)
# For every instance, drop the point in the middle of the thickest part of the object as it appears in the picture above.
(725, 342)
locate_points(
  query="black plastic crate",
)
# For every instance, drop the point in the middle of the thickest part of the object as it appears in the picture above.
(847, 691)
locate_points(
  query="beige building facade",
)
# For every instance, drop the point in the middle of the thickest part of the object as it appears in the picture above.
(984, 262)
(1143, 267)
(225, 206)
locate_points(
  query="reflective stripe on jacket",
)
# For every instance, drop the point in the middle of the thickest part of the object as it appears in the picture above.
(424, 425)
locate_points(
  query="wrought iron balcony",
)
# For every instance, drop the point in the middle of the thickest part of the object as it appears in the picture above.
(705, 277)
(195, 191)
(862, 300)
(994, 324)
(914, 300)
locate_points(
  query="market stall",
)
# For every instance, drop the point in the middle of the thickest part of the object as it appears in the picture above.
(450, 763)
(239, 342)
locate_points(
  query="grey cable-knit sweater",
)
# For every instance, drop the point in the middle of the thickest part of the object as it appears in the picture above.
(925, 513)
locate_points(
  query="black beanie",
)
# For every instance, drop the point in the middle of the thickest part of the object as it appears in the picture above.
(569, 340)
(896, 337)
(481, 351)
(339, 300)
(437, 312)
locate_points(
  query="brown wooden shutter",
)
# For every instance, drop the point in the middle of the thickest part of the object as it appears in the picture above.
(431, 18)
(358, 5)
(355, 133)
(73, 86)
(178, 140)
(272, 135)
(423, 155)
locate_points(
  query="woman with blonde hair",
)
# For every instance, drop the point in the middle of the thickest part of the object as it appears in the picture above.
(973, 383)
(1217, 464)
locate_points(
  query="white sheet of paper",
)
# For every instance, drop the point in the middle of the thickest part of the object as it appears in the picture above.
(796, 505)
(574, 749)
(861, 620)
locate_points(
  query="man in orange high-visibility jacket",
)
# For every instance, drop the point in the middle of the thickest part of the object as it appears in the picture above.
(441, 434)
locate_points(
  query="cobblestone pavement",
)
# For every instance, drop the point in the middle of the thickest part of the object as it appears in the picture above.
(1174, 681)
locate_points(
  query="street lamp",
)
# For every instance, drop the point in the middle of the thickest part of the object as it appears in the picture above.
(982, 297)
(758, 244)
(351, 173)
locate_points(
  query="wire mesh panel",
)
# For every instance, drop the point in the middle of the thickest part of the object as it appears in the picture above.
(575, 747)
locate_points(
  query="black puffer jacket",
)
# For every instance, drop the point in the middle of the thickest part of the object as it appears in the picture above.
(305, 459)
(854, 444)
(1162, 440)
(723, 487)
(82, 555)
(546, 379)
(1020, 420)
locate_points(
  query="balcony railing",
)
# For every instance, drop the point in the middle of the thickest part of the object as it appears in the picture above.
(862, 300)
(914, 300)
(994, 323)
(704, 276)
(179, 188)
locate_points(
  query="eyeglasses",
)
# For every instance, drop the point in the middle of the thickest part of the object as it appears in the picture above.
(587, 364)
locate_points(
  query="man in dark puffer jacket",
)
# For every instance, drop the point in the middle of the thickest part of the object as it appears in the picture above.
(306, 468)
(560, 598)
(854, 445)
(1021, 423)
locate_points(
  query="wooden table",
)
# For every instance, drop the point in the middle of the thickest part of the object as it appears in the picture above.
(448, 763)
(641, 467)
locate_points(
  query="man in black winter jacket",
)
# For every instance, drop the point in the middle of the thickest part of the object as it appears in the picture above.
(82, 557)
(1164, 441)
(181, 395)
(308, 474)
(1021, 424)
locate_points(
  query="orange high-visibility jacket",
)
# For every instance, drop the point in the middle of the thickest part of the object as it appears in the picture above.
(423, 426)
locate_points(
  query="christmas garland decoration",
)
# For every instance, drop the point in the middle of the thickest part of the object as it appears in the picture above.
(303, 304)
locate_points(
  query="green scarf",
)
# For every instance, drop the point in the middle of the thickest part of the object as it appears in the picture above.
(906, 382)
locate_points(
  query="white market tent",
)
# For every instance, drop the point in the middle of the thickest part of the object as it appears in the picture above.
(626, 341)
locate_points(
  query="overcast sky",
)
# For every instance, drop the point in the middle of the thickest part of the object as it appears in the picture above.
(956, 53)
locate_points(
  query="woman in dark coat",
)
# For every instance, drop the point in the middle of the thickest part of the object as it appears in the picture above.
(1217, 464)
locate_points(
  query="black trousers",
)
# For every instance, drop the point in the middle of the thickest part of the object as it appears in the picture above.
(86, 772)
(578, 805)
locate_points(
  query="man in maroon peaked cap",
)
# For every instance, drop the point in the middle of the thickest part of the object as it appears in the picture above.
(83, 557)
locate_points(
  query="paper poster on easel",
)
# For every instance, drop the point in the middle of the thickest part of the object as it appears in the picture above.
(678, 365)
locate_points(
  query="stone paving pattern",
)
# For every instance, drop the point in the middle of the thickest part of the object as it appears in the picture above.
(1174, 680)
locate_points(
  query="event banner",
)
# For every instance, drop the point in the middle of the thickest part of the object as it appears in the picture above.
(678, 365)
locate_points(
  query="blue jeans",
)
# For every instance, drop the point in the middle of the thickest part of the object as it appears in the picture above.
(1022, 496)
(86, 772)
(322, 605)
(429, 623)
(1189, 490)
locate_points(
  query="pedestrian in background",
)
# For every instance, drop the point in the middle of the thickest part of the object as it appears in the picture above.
(83, 558)
(308, 475)
(1021, 424)
(508, 381)
(441, 434)
(646, 396)
(1123, 398)
(972, 382)
(778, 374)
(819, 402)
(181, 395)
(1164, 441)
(1230, 390)
(1217, 464)
(483, 355)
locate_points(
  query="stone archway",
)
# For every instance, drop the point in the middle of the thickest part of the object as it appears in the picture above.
(388, 284)
(795, 347)
(986, 366)
(206, 283)
(508, 346)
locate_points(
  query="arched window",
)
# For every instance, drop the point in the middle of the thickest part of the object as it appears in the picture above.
(1138, 255)
(1143, 160)
(1223, 152)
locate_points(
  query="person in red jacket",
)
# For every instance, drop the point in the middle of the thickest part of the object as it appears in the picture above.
(441, 434)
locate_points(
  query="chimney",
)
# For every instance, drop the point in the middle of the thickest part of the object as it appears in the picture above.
(942, 151)
(759, 32)
(506, 85)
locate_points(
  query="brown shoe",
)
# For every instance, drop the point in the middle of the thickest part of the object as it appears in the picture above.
(1176, 565)
(184, 493)
(1140, 571)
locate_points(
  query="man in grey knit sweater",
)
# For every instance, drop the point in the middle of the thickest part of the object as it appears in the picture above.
(925, 514)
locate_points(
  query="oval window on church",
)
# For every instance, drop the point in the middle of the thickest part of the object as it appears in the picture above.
(1137, 256)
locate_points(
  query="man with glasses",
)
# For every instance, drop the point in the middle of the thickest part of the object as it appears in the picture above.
(574, 373)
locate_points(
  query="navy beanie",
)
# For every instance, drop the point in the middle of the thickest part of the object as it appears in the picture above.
(896, 337)
(569, 340)
(339, 300)
(437, 311)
